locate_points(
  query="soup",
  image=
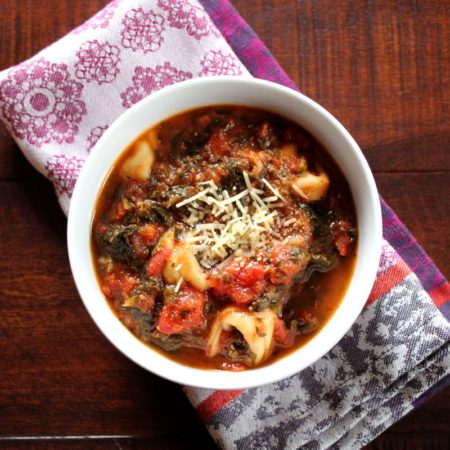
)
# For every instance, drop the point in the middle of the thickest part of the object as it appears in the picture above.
(224, 237)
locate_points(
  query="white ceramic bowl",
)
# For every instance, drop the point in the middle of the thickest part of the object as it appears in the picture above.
(210, 91)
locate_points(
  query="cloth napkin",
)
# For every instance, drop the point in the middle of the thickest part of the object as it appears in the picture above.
(57, 105)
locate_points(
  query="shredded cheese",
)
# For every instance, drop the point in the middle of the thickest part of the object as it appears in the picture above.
(277, 194)
(242, 222)
(192, 199)
(290, 222)
(178, 285)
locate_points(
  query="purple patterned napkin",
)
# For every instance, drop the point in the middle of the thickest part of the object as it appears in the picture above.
(57, 105)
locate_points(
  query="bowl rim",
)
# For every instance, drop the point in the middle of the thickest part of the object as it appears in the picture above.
(151, 359)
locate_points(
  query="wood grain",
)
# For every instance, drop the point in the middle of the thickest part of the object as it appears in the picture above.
(60, 376)
(382, 67)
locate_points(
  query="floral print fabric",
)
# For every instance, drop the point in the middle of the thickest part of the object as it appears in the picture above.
(97, 62)
(42, 102)
(58, 104)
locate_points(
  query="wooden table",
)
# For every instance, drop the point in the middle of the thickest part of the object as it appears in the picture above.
(380, 66)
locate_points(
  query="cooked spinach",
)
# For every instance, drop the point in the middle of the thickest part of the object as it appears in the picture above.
(143, 323)
(234, 178)
(271, 298)
(319, 263)
(318, 220)
(190, 142)
(238, 350)
(149, 285)
(323, 262)
(169, 343)
(115, 242)
(153, 212)
(301, 326)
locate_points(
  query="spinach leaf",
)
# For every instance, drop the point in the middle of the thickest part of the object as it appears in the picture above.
(115, 242)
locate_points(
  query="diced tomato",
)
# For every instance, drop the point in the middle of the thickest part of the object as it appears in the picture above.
(250, 273)
(241, 280)
(183, 313)
(145, 238)
(281, 333)
(342, 242)
(284, 267)
(158, 261)
(342, 239)
(150, 233)
(118, 285)
(246, 295)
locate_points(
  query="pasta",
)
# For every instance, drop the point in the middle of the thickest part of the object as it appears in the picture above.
(138, 165)
(256, 327)
(311, 187)
(183, 264)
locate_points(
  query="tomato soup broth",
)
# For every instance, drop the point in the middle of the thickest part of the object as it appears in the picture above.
(225, 237)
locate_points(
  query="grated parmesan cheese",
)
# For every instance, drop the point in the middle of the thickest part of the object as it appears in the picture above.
(290, 222)
(242, 222)
(178, 285)
(277, 194)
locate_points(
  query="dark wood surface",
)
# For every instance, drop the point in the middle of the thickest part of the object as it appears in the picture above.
(380, 66)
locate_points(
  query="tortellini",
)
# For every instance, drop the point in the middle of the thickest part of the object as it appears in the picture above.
(311, 187)
(256, 327)
(167, 240)
(138, 165)
(182, 263)
(152, 137)
(289, 150)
